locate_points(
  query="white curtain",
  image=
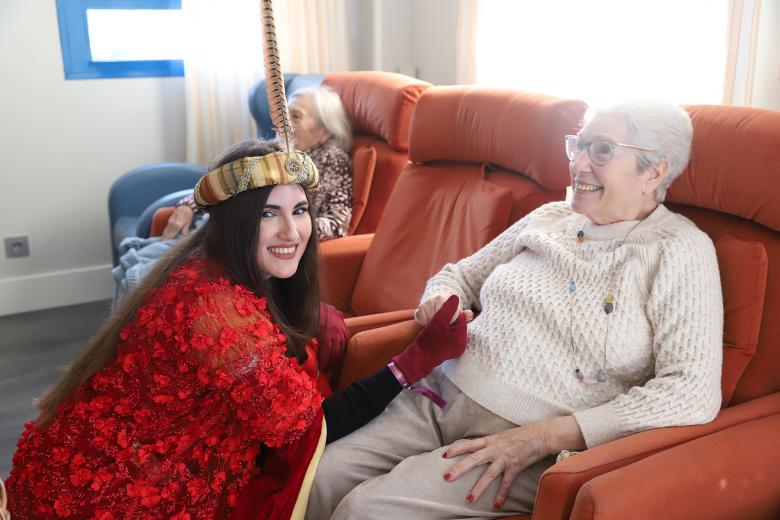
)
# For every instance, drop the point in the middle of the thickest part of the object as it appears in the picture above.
(466, 42)
(224, 61)
(744, 21)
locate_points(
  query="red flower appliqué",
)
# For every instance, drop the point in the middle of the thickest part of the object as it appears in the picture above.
(171, 427)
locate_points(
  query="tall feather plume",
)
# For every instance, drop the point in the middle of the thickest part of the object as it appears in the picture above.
(274, 78)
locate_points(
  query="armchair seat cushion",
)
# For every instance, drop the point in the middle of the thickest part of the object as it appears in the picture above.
(743, 272)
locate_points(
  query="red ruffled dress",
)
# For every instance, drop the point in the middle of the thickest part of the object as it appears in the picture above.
(171, 428)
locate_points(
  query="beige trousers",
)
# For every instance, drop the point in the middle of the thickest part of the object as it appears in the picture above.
(393, 467)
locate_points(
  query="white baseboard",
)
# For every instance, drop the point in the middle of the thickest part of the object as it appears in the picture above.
(56, 289)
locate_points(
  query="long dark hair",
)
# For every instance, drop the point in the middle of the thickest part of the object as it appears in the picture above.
(229, 238)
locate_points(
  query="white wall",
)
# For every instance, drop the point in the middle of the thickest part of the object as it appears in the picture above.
(413, 37)
(62, 144)
(361, 27)
(434, 25)
(393, 43)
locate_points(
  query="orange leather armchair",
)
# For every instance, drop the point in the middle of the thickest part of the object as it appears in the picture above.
(379, 106)
(480, 159)
(729, 468)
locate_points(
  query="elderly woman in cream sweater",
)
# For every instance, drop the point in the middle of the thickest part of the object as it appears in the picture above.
(597, 319)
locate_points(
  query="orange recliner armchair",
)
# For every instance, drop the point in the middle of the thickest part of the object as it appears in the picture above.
(480, 159)
(379, 106)
(729, 468)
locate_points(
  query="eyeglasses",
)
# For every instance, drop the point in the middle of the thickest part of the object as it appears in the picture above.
(599, 150)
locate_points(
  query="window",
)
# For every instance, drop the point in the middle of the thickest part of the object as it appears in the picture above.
(121, 38)
(605, 50)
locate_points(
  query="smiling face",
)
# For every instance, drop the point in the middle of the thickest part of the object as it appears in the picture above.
(616, 191)
(307, 128)
(285, 229)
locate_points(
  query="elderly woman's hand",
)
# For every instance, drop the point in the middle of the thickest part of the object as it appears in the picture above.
(179, 222)
(428, 308)
(511, 451)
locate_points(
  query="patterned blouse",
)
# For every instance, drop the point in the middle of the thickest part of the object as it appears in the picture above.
(334, 198)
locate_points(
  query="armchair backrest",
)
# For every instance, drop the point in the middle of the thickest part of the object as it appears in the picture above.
(729, 188)
(480, 159)
(379, 106)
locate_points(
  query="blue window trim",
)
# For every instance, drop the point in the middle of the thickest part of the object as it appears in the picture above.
(74, 40)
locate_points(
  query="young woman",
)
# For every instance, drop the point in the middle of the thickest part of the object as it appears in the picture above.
(194, 399)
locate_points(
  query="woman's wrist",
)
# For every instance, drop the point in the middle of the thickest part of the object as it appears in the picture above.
(563, 433)
(399, 376)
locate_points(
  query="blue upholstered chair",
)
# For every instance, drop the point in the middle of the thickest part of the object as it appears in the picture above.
(133, 192)
(136, 195)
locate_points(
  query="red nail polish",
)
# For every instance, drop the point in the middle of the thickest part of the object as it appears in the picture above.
(470, 499)
(444, 454)
(447, 476)
(497, 505)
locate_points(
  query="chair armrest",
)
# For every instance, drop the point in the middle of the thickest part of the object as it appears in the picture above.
(560, 484)
(374, 321)
(732, 473)
(340, 263)
(160, 220)
(145, 224)
(370, 350)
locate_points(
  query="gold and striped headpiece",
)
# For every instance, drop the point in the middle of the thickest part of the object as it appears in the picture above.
(286, 167)
(249, 173)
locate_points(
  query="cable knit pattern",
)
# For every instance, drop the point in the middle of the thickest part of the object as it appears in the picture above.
(661, 347)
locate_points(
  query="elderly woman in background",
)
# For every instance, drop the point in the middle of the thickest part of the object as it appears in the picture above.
(322, 130)
(597, 319)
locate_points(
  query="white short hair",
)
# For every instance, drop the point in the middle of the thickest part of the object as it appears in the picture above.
(331, 114)
(660, 125)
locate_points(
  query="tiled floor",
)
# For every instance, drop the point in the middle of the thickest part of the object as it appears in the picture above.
(34, 348)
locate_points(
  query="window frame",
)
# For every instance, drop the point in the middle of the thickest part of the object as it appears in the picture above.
(76, 53)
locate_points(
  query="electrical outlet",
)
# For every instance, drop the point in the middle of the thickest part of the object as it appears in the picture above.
(16, 247)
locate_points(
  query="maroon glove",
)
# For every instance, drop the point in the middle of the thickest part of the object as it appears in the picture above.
(333, 338)
(437, 342)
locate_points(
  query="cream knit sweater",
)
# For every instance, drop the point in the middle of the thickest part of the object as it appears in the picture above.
(661, 347)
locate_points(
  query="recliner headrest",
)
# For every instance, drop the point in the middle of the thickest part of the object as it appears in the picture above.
(735, 163)
(521, 131)
(379, 103)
